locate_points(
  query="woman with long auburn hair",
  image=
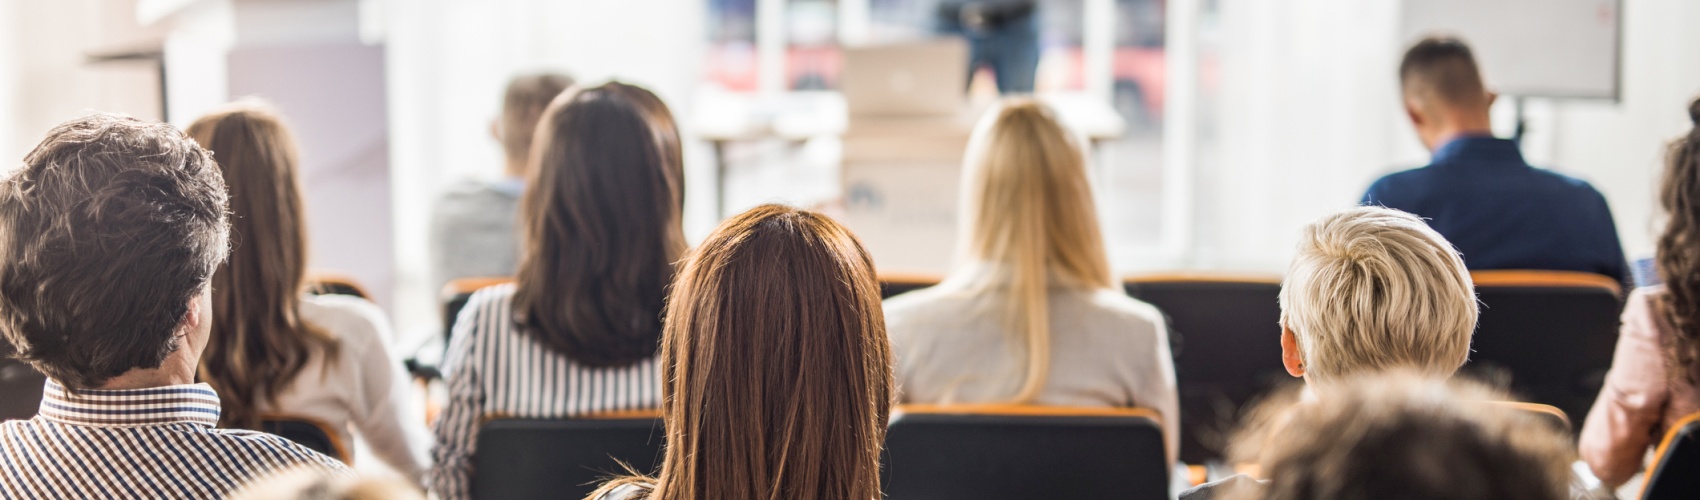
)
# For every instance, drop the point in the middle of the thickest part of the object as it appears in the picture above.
(1656, 369)
(276, 349)
(777, 367)
(1031, 313)
(577, 331)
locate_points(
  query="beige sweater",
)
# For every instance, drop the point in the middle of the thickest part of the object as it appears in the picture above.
(1107, 350)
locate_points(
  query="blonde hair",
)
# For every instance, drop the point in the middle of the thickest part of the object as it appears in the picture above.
(1374, 288)
(1027, 217)
(1400, 435)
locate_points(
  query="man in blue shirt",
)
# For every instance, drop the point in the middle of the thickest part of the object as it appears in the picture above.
(1478, 192)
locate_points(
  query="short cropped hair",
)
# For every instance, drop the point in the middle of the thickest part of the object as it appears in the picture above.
(107, 232)
(1442, 69)
(522, 106)
(1374, 288)
(1400, 436)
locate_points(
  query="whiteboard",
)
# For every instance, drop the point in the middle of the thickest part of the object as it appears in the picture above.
(1534, 48)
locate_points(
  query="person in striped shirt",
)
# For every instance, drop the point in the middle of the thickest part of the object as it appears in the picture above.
(109, 234)
(577, 332)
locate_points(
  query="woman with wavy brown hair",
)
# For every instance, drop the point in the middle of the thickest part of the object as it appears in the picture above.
(577, 331)
(275, 349)
(1655, 371)
(777, 367)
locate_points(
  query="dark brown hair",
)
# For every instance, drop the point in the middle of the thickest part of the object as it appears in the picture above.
(776, 369)
(259, 342)
(1679, 250)
(601, 225)
(1442, 68)
(522, 105)
(1400, 436)
(108, 230)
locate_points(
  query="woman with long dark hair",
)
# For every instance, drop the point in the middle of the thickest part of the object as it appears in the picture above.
(1657, 365)
(776, 365)
(276, 349)
(577, 331)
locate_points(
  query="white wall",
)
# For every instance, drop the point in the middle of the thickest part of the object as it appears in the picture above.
(1620, 147)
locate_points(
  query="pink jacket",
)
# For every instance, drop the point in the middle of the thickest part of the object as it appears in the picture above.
(1640, 398)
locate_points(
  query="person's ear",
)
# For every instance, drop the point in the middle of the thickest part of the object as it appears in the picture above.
(496, 130)
(1290, 355)
(1415, 113)
(1491, 97)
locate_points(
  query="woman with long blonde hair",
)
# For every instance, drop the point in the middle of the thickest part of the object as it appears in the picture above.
(1031, 313)
(275, 349)
(776, 367)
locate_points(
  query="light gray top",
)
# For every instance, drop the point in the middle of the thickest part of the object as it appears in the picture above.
(1107, 350)
(473, 232)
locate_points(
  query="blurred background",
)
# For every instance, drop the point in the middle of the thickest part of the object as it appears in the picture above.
(1217, 128)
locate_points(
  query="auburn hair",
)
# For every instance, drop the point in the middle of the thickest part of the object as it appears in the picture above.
(259, 342)
(1678, 252)
(776, 369)
(1027, 223)
(601, 225)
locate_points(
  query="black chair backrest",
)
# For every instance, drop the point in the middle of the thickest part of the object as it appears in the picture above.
(1675, 475)
(456, 293)
(328, 283)
(20, 387)
(894, 285)
(306, 432)
(1549, 334)
(991, 456)
(1227, 344)
(532, 458)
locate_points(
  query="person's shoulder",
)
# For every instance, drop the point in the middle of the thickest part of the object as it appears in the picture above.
(1398, 185)
(1561, 180)
(1127, 309)
(493, 299)
(916, 302)
(266, 446)
(357, 323)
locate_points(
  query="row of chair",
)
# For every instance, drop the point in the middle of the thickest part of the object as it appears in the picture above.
(1547, 335)
(978, 452)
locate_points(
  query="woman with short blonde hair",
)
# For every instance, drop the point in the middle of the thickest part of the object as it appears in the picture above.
(1031, 313)
(1371, 289)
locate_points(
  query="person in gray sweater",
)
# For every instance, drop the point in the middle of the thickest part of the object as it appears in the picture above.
(472, 224)
(1032, 313)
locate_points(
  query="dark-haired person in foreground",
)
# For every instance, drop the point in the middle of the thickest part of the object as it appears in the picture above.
(776, 366)
(109, 235)
(1478, 191)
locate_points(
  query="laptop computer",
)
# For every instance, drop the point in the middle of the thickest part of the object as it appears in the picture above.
(912, 79)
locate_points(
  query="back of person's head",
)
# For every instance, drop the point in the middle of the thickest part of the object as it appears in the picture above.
(1441, 71)
(1373, 289)
(313, 484)
(601, 217)
(776, 368)
(108, 232)
(522, 105)
(259, 341)
(1679, 249)
(1401, 436)
(1027, 217)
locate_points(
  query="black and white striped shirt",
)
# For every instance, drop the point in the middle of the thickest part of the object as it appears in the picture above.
(141, 443)
(494, 370)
